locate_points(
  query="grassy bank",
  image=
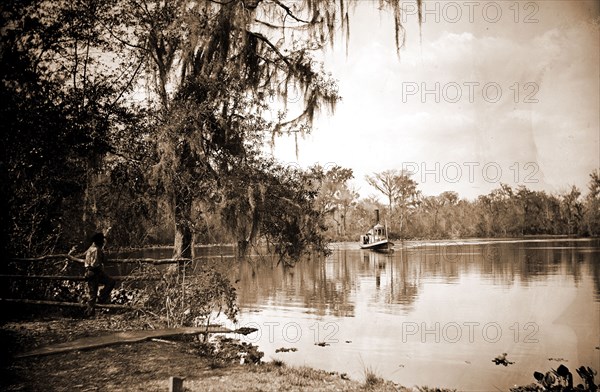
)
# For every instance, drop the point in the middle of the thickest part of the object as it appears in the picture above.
(147, 366)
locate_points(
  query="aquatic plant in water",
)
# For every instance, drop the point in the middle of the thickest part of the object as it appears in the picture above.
(561, 379)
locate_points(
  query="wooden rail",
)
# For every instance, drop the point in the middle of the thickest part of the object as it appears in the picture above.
(80, 278)
(77, 278)
(67, 304)
(112, 261)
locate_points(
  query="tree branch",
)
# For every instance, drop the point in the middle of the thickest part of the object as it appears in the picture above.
(266, 40)
(120, 39)
(128, 83)
(222, 3)
(289, 12)
(274, 26)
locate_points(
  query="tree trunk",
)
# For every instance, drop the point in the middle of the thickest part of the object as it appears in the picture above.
(401, 224)
(242, 247)
(182, 201)
(183, 246)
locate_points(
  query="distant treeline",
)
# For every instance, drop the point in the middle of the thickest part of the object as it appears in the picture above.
(504, 212)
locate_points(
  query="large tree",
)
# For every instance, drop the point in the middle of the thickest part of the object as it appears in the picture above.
(571, 210)
(592, 205)
(215, 66)
(212, 76)
(399, 189)
(386, 183)
(438, 208)
(335, 195)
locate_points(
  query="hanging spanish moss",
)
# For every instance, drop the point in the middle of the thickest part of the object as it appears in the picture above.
(224, 73)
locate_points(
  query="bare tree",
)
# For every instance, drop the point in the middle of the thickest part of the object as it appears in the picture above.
(400, 191)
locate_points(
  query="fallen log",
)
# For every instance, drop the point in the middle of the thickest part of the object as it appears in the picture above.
(129, 337)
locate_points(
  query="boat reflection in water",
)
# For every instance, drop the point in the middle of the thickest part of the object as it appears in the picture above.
(430, 313)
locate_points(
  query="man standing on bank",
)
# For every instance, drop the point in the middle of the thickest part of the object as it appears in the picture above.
(95, 275)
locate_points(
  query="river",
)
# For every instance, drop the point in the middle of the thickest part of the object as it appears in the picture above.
(430, 313)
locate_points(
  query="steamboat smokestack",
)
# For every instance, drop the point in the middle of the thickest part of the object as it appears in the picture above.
(376, 216)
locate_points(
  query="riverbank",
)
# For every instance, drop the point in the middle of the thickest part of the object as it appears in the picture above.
(147, 366)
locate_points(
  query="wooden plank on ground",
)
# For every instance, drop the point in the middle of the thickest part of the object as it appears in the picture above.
(126, 338)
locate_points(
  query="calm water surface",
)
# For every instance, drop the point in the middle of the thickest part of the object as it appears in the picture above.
(430, 313)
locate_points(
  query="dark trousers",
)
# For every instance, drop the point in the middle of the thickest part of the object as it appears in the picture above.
(96, 277)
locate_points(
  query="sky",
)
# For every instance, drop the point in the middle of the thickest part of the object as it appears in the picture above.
(488, 92)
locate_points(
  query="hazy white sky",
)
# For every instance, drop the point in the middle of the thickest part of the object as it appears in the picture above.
(504, 91)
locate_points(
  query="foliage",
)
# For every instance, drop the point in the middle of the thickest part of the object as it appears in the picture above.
(591, 213)
(401, 193)
(243, 202)
(123, 196)
(61, 103)
(192, 299)
(114, 109)
(223, 351)
(503, 212)
(149, 116)
(372, 380)
(294, 227)
(335, 196)
(560, 380)
(212, 69)
(262, 199)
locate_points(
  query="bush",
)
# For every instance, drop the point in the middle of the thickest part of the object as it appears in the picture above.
(224, 351)
(181, 299)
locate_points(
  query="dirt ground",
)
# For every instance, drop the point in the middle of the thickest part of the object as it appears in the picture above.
(144, 366)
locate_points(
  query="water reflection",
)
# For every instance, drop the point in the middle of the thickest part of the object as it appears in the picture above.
(369, 298)
(324, 285)
(542, 298)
